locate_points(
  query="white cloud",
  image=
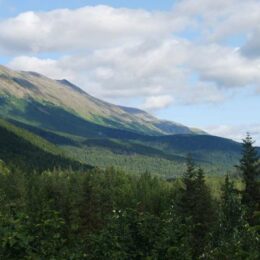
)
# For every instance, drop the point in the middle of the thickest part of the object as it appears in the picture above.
(236, 132)
(223, 18)
(129, 71)
(45, 66)
(225, 66)
(117, 53)
(157, 102)
(83, 28)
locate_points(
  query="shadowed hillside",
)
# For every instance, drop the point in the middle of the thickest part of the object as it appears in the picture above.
(27, 151)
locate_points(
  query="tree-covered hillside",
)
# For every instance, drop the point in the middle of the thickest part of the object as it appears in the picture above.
(103, 146)
(22, 149)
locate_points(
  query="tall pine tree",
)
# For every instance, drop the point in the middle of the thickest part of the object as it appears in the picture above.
(187, 202)
(195, 206)
(249, 167)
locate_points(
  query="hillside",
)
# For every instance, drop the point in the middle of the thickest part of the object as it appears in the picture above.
(27, 151)
(163, 155)
(100, 134)
(18, 89)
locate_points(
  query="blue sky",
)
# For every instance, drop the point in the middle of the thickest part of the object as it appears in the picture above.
(13, 7)
(193, 62)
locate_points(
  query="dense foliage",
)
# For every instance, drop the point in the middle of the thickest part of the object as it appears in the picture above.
(96, 214)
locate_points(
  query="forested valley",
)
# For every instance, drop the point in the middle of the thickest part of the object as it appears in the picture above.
(72, 213)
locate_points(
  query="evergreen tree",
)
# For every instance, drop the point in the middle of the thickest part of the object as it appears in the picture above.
(231, 209)
(202, 215)
(195, 205)
(187, 192)
(249, 168)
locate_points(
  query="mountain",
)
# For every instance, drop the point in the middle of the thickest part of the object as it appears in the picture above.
(28, 151)
(88, 131)
(19, 89)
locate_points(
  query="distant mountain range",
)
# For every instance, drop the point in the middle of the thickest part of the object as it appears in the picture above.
(93, 132)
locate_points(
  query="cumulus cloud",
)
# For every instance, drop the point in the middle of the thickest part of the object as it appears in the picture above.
(223, 18)
(225, 67)
(45, 66)
(157, 102)
(236, 132)
(122, 72)
(83, 28)
(137, 70)
(117, 53)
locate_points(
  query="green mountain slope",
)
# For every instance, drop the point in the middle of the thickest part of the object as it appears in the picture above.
(28, 151)
(103, 147)
(20, 88)
(100, 134)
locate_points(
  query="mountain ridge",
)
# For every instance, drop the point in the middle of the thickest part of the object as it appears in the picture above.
(31, 85)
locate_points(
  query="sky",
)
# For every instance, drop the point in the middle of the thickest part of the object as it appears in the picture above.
(192, 62)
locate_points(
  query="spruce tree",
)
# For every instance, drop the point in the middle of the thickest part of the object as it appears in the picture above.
(187, 202)
(195, 206)
(202, 214)
(249, 167)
